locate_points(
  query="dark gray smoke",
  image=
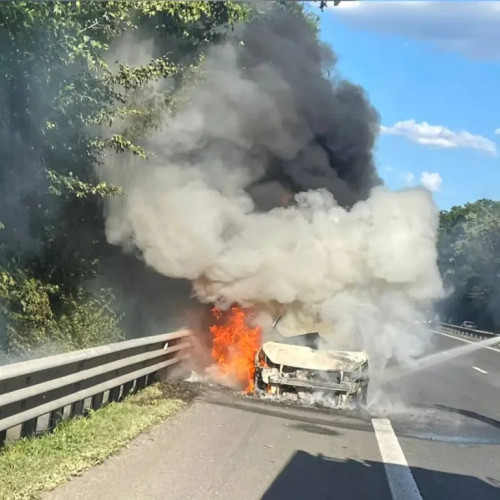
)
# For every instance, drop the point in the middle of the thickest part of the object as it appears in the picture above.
(330, 121)
(303, 131)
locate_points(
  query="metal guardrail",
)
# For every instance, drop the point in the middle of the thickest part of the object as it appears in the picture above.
(36, 395)
(467, 332)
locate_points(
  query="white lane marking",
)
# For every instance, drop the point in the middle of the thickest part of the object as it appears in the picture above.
(479, 369)
(401, 482)
(465, 340)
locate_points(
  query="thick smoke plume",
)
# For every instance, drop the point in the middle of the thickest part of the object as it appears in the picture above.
(263, 191)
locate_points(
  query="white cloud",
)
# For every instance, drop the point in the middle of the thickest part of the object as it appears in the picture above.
(440, 136)
(431, 180)
(408, 178)
(470, 28)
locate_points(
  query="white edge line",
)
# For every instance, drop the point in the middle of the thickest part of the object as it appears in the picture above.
(465, 340)
(480, 370)
(399, 476)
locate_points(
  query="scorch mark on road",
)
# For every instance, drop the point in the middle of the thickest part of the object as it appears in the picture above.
(480, 370)
(399, 476)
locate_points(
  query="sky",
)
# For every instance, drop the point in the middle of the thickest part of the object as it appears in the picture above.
(432, 71)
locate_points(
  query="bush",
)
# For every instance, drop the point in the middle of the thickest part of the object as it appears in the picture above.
(27, 319)
(29, 323)
(89, 321)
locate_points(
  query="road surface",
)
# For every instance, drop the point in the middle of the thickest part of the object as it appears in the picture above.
(438, 439)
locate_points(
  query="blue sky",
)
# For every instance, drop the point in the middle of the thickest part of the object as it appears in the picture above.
(432, 70)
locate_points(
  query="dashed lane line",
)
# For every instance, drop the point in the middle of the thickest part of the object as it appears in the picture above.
(480, 370)
(399, 476)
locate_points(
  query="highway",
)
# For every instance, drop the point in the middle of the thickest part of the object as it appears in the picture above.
(437, 438)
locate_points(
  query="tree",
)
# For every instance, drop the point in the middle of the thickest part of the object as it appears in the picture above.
(58, 91)
(469, 259)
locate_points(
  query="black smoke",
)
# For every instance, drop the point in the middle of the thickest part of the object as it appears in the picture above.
(333, 122)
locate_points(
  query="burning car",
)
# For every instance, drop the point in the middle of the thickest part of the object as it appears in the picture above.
(299, 369)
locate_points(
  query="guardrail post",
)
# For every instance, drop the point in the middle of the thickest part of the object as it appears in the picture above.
(114, 395)
(77, 409)
(55, 418)
(97, 401)
(152, 378)
(140, 384)
(3, 437)
(127, 389)
(28, 428)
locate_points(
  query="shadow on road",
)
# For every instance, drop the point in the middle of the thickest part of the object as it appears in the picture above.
(316, 429)
(320, 477)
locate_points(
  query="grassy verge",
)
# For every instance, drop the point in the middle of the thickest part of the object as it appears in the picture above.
(30, 466)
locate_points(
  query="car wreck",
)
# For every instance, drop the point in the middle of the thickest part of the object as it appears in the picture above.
(301, 370)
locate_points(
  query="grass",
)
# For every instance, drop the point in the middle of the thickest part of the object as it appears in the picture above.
(30, 466)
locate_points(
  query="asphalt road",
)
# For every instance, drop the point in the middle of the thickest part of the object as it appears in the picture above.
(437, 437)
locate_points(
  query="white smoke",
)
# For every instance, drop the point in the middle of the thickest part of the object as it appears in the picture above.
(365, 274)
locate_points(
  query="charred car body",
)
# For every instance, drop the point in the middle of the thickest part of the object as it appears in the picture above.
(299, 369)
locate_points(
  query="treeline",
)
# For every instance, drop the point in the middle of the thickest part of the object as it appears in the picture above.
(469, 260)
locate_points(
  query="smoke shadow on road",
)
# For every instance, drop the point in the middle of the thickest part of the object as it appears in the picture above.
(321, 477)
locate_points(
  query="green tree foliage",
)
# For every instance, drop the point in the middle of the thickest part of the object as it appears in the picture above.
(469, 259)
(59, 92)
(31, 325)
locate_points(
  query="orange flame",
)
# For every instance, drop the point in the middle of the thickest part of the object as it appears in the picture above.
(235, 345)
